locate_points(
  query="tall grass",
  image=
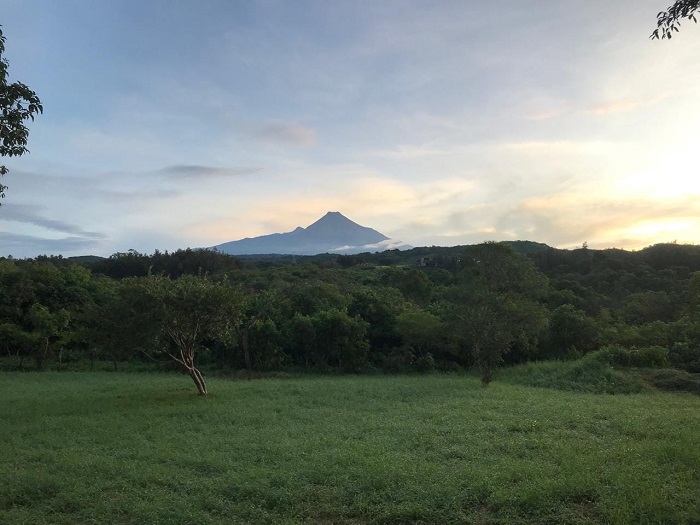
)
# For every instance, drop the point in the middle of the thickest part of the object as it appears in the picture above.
(136, 448)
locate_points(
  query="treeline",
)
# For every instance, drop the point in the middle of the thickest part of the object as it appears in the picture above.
(478, 306)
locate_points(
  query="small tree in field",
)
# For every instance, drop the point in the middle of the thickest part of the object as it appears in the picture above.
(174, 318)
(497, 306)
(191, 310)
(489, 331)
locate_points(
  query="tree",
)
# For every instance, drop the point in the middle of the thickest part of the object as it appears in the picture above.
(192, 310)
(175, 319)
(106, 321)
(379, 306)
(413, 284)
(47, 327)
(492, 324)
(571, 331)
(420, 330)
(497, 309)
(668, 22)
(341, 338)
(18, 104)
(254, 311)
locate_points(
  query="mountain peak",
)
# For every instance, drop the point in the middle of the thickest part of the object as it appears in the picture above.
(333, 218)
(332, 233)
(334, 226)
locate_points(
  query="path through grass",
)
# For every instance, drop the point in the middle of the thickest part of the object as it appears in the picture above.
(136, 448)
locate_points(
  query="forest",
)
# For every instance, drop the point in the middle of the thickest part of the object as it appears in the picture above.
(477, 307)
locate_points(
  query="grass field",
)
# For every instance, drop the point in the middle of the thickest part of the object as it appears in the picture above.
(103, 448)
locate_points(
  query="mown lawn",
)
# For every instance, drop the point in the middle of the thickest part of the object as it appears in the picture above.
(108, 448)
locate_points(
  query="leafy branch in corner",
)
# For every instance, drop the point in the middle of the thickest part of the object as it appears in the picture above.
(668, 22)
(18, 104)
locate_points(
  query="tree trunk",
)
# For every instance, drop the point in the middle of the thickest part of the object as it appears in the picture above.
(40, 358)
(196, 376)
(483, 364)
(187, 357)
(246, 351)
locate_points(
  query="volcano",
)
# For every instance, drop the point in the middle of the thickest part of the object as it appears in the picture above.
(332, 233)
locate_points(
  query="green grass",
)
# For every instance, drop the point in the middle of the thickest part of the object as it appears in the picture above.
(108, 448)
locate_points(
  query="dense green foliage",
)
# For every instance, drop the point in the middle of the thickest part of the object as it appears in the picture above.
(105, 448)
(481, 307)
(18, 104)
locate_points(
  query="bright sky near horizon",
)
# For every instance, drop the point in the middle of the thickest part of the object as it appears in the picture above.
(172, 124)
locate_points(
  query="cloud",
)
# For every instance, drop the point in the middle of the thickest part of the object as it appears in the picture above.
(119, 196)
(283, 133)
(19, 245)
(563, 220)
(410, 152)
(617, 106)
(30, 215)
(569, 220)
(198, 171)
(544, 115)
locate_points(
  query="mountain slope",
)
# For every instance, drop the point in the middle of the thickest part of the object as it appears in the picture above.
(332, 233)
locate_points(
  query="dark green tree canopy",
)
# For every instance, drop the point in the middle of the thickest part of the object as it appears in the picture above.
(18, 104)
(668, 22)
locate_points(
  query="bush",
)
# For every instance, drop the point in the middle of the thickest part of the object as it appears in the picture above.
(425, 363)
(592, 374)
(685, 356)
(644, 357)
(398, 360)
(676, 380)
(450, 367)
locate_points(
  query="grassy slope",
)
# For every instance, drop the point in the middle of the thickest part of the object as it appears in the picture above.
(132, 448)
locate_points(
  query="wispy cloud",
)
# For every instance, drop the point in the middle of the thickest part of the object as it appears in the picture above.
(616, 106)
(544, 115)
(199, 171)
(410, 152)
(283, 133)
(121, 196)
(31, 215)
(14, 243)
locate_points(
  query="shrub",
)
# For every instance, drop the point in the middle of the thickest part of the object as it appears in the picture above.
(450, 367)
(686, 357)
(676, 380)
(644, 357)
(592, 374)
(425, 363)
(398, 360)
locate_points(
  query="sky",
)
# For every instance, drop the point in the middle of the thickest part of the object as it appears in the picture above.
(171, 124)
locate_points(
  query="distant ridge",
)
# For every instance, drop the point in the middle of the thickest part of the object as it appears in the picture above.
(332, 233)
